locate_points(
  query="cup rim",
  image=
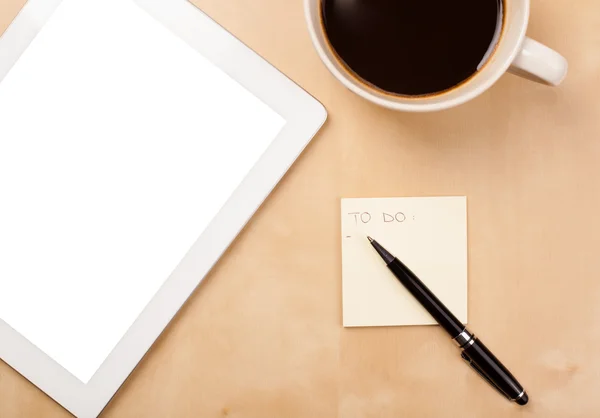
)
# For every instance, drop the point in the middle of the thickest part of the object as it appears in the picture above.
(415, 104)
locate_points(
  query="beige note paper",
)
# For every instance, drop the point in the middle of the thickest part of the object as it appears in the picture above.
(428, 234)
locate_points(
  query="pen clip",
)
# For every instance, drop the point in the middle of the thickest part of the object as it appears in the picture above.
(482, 374)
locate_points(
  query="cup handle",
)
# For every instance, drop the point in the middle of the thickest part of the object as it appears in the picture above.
(539, 63)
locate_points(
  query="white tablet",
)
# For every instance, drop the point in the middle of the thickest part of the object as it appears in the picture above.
(137, 138)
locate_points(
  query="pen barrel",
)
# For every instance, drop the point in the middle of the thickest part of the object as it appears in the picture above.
(427, 299)
(492, 370)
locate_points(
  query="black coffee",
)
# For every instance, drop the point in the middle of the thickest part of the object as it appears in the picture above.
(413, 47)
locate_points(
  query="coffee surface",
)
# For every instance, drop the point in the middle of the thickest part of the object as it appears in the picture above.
(412, 47)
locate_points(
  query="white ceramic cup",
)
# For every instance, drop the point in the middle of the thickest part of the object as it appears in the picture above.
(514, 53)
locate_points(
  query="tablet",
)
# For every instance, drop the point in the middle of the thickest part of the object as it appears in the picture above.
(137, 138)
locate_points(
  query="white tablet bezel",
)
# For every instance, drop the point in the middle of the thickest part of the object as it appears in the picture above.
(304, 117)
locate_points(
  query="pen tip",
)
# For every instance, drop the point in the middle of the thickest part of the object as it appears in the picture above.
(369, 238)
(523, 399)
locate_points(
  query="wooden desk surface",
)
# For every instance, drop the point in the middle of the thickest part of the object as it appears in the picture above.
(262, 336)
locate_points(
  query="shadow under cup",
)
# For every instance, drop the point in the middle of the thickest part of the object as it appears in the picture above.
(509, 39)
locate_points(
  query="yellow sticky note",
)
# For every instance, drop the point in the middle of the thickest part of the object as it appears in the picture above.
(428, 234)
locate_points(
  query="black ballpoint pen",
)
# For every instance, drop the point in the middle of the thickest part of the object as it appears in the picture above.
(474, 351)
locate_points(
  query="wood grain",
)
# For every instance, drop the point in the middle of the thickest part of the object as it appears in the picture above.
(262, 337)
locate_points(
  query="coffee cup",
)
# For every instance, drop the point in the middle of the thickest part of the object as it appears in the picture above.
(510, 51)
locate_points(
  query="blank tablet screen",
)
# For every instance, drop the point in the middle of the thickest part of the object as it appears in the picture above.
(119, 143)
